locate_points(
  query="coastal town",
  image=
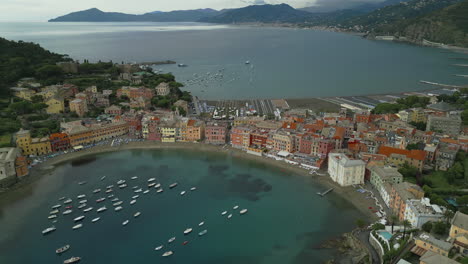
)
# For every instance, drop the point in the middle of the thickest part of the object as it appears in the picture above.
(408, 153)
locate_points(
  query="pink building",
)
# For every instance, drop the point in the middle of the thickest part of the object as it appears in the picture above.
(216, 133)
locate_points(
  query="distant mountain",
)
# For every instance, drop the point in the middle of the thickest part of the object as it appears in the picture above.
(359, 7)
(281, 13)
(448, 26)
(96, 15)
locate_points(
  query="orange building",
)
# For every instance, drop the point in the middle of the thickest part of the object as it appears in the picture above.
(399, 157)
(400, 194)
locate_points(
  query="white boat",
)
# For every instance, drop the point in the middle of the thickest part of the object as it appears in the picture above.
(201, 223)
(95, 219)
(132, 201)
(120, 182)
(193, 188)
(151, 184)
(102, 209)
(110, 196)
(77, 226)
(187, 231)
(81, 196)
(110, 187)
(87, 209)
(83, 201)
(235, 207)
(171, 240)
(247, 62)
(67, 212)
(135, 187)
(62, 249)
(54, 212)
(61, 198)
(151, 179)
(158, 248)
(224, 213)
(138, 191)
(173, 185)
(103, 177)
(48, 230)
(122, 186)
(56, 206)
(102, 199)
(203, 232)
(79, 218)
(135, 196)
(72, 260)
(243, 211)
(67, 201)
(109, 190)
(157, 186)
(118, 208)
(182, 192)
(145, 192)
(125, 222)
(115, 199)
(117, 203)
(134, 177)
(167, 253)
(137, 214)
(82, 182)
(97, 190)
(82, 206)
(159, 191)
(229, 216)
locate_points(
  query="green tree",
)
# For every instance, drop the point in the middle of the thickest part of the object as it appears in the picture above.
(448, 215)
(440, 228)
(405, 224)
(427, 227)
(37, 99)
(393, 220)
(360, 223)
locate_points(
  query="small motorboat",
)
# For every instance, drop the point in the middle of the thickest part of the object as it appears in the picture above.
(151, 179)
(201, 223)
(135, 196)
(77, 226)
(69, 207)
(67, 212)
(79, 218)
(109, 190)
(117, 203)
(96, 190)
(87, 209)
(102, 209)
(134, 178)
(125, 222)
(103, 177)
(56, 206)
(110, 187)
(193, 188)
(184, 243)
(81, 196)
(203, 232)
(72, 260)
(158, 247)
(115, 200)
(157, 186)
(110, 196)
(137, 214)
(167, 254)
(187, 231)
(67, 201)
(243, 211)
(82, 182)
(61, 198)
(52, 216)
(54, 212)
(151, 184)
(62, 249)
(171, 240)
(173, 185)
(118, 208)
(229, 216)
(95, 219)
(224, 213)
(138, 191)
(83, 201)
(49, 230)
(235, 207)
(120, 182)
(145, 192)
(82, 206)
(132, 201)
(182, 193)
(122, 186)
(159, 190)
(102, 199)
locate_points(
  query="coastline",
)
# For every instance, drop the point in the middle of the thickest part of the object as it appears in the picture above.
(358, 200)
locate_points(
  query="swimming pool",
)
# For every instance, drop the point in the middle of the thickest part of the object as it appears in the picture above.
(385, 235)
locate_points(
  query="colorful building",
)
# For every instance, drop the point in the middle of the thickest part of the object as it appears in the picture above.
(32, 146)
(59, 142)
(55, 105)
(400, 194)
(345, 171)
(79, 106)
(240, 137)
(216, 133)
(191, 130)
(399, 157)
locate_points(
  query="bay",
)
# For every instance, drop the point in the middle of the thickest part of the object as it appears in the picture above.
(285, 62)
(285, 223)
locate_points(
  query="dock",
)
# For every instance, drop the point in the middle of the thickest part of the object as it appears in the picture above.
(442, 85)
(325, 192)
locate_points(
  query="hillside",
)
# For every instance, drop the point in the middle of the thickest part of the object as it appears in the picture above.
(331, 6)
(448, 26)
(96, 15)
(281, 13)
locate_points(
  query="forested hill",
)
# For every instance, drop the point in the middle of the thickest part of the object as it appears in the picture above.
(23, 59)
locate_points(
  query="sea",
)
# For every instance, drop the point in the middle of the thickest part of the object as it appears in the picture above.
(286, 220)
(284, 62)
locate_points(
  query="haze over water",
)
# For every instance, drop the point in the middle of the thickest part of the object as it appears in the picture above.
(286, 221)
(285, 63)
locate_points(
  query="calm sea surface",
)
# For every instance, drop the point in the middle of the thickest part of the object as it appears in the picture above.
(285, 223)
(285, 63)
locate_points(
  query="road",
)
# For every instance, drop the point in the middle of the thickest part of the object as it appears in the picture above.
(363, 236)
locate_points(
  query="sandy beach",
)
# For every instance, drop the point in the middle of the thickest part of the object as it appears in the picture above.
(349, 193)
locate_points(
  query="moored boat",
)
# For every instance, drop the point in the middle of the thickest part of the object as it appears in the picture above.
(102, 199)
(187, 231)
(134, 177)
(146, 191)
(158, 247)
(67, 212)
(95, 219)
(96, 190)
(67, 201)
(229, 216)
(120, 182)
(56, 206)
(135, 196)
(182, 193)
(87, 209)
(203, 232)
(69, 207)
(125, 222)
(201, 223)
(117, 203)
(243, 211)
(118, 208)
(109, 190)
(54, 212)
(193, 188)
(151, 184)
(77, 226)
(62, 249)
(173, 185)
(82, 206)
(83, 201)
(81, 196)
(137, 214)
(122, 186)
(159, 190)
(82, 182)
(49, 230)
(171, 240)
(167, 253)
(132, 201)
(103, 177)
(115, 199)
(235, 207)
(79, 218)
(184, 243)
(72, 260)
(151, 179)
(138, 191)
(102, 209)
(224, 213)
(52, 216)
(61, 198)
(157, 186)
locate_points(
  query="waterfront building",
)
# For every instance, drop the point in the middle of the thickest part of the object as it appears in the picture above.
(192, 130)
(152, 128)
(59, 142)
(345, 171)
(168, 131)
(283, 141)
(55, 105)
(32, 146)
(163, 89)
(259, 138)
(240, 137)
(400, 194)
(426, 242)
(418, 212)
(12, 164)
(80, 134)
(449, 125)
(381, 174)
(216, 133)
(79, 106)
(441, 107)
(113, 110)
(399, 157)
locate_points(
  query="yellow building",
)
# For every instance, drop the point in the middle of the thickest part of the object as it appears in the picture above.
(55, 105)
(32, 146)
(191, 130)
(168, 132)
(433, 258)
(282, 142)
(24, 93)
(417, 115)
(426, 242)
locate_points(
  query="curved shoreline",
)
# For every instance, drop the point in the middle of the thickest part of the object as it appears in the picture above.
(348, 193)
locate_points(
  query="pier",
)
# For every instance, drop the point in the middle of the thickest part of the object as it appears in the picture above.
(442, 85)
(325, 192)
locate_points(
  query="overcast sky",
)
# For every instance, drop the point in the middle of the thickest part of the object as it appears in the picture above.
(42, 10)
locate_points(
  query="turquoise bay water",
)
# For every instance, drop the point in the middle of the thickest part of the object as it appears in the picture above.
(285, 63)
(285, 223)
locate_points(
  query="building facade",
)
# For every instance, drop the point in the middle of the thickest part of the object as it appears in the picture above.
(344, 170)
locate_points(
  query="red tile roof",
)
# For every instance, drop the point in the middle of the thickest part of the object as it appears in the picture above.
(412, 154)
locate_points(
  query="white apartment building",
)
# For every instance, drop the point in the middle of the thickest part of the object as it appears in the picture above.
(345, 171)
(418, 212)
